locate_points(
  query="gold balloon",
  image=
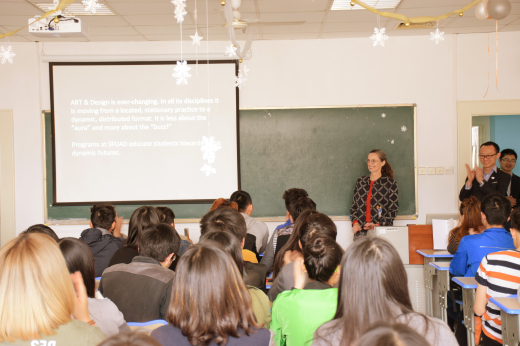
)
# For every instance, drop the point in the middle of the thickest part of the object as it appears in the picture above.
(223, 2)
(352, 3)
(56, 20)
(461, 14)
(240, 60)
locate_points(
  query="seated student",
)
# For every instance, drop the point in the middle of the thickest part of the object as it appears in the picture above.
(210, 304)
(143, 217)
(309, 223)
(142, 289)
(299, 312)
(373, 287)
(166, 215)
(481, 182)
(254, 227)
(104, 235)
(130, 339)
(282, 235)
(40, 302)
(495, 210)
(39, 228)
(470, 223)
(384, 333)
(507, 161)
(230, 243)
(228, 219)
(105, 313)
(498, 276)
(290, 196)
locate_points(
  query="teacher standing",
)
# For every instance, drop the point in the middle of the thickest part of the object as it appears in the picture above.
(375, 196)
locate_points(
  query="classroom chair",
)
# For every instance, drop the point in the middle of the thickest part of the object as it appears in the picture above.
(146, 327)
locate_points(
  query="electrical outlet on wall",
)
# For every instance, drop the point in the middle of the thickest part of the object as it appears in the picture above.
(431, 170)
(422, 170)
(439, 170)
(448, 170)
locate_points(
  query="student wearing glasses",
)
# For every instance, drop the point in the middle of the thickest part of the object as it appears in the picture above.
(375, 196)
(507, 164)
(481, 182)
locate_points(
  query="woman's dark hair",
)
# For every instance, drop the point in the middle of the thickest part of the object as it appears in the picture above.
(497, 209)
(470, 209)
(386, 170)
(40, 228)
(384, 333)
(309, 223)
(222, 202)
(321, 257)
(130, 339)
(79, 258)
(209, 299)
(166, 215)
(373, 287)
(229, 242)
(141, 218)
(224, 219)
(242, 199)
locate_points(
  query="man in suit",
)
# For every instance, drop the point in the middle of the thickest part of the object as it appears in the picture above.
(481, 182)
(507, 164)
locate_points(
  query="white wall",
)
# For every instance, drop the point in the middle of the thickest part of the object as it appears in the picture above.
(295, 73)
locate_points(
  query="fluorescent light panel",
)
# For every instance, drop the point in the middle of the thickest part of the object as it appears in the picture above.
(342, 5)
(77, 9)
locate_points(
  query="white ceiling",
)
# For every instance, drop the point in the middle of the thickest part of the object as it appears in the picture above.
(153, 20)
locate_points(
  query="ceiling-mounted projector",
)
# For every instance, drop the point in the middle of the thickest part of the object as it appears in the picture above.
(66, 27)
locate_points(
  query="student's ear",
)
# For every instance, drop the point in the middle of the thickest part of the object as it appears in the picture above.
(514, 235)
(91, 225)
(113, 226)
(173, 224)
(287, 215)
(290, 217)
(249, 209)
(300, 244)
(243, 242)
(303, 267)
(484, 219)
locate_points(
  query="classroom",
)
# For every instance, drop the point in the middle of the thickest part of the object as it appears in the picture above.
(329, 61)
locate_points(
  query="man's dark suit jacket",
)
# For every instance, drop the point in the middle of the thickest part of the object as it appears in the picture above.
(515, 189)
(498, 183)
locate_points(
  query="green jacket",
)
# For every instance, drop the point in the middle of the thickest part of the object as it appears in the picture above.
(296, 314)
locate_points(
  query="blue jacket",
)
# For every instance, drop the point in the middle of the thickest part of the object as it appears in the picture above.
(473, 248)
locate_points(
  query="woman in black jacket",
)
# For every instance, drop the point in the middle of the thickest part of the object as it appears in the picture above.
(375, 196)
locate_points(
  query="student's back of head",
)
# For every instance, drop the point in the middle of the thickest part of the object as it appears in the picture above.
(390, 334)
(242, 199)
(222, 202)
(36, 292)
(78, 257)
(166, 215)
(103, 216)
(292, 195)
(496, 209)
(141, 218)
(130, 339)
(299, 206)
(40, 228)
(229, 242)
(515, 219)
(321, 257)
(224, 219)
(469, 211)
(159, 241)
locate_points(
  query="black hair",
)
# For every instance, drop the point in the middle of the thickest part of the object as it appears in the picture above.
(497, 209)
(224, 219)
(292, 195)
(159, 241)
(242, 199)
(229, 242)
(102, 216)
(79, 257)
(166, 215)
(321, 257)
(508, 152)
(497, 148)
(143, 217)
(515, 219)
(40, 228)
(299, 206)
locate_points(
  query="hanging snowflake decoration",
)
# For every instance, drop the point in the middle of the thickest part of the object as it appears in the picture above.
(392, 141)
(241, 78)
(403, 128)
(379, 37)
(208, 169)
(231, 51)
(91, 6)
(182, 72)
(383, 115)
(209, 148)
(6, 55)
(180, 10)
(437, 36)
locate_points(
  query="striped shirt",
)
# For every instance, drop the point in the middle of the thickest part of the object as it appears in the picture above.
(499, 272)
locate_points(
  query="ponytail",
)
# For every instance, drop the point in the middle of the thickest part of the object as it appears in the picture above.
(386, 170)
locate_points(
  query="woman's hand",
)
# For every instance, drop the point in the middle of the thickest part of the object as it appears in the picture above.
(299, 273)
(356, 228)
(81, 306)
(369, 225)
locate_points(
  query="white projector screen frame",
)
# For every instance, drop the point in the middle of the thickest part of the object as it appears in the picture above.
(224, 119)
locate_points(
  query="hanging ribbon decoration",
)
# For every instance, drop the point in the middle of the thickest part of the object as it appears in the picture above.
(61, 6)
(228, 12)
(416, 20)
(489, 69)
(496, 57)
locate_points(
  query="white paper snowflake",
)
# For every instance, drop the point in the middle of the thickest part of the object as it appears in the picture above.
(246, 70)
(392, 141)
(383, 115)
(6, 55)
(231, 51)
(208, 169)
(180, 10)
(181, 72)
(91, 6)
(437, 36)
(379, 37)
(403, 128)
(240, 80)
(209, 148)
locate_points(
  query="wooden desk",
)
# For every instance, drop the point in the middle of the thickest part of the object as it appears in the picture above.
(443, 284)
(430, 277)
(509, 311)
(469, 286)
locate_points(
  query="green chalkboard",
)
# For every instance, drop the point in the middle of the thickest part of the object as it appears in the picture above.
(322, 150)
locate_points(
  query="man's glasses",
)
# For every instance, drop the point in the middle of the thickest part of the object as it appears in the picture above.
(508, 160)
(373, 161)
(487, 156)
